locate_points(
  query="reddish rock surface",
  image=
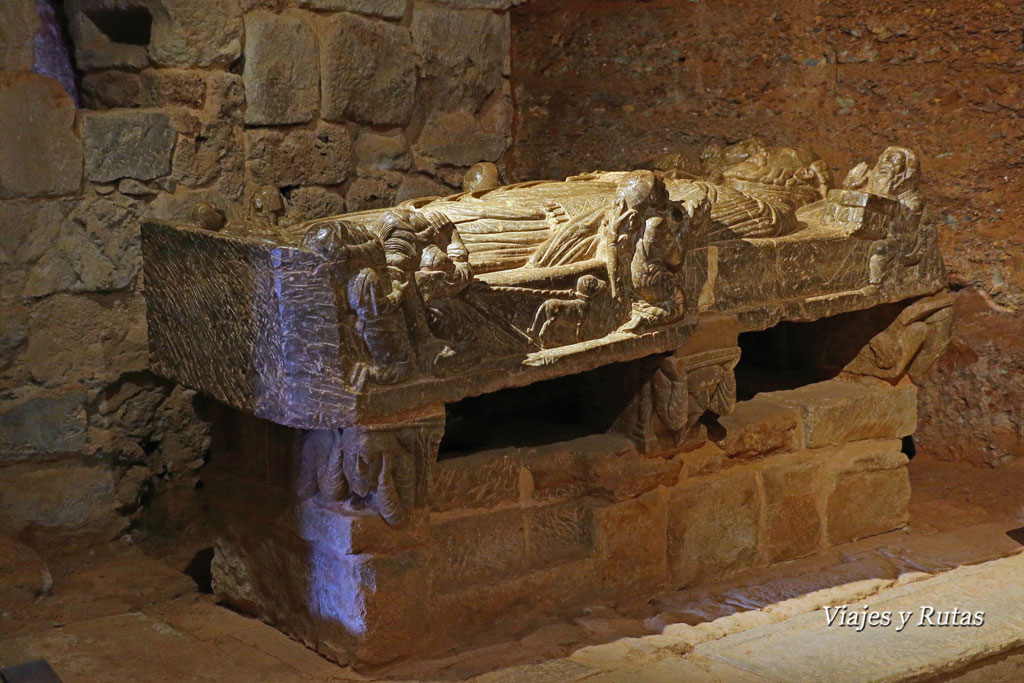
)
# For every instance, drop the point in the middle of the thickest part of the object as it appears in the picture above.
(609, 84)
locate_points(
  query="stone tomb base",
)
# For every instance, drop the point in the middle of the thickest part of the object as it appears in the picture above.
(512, 536)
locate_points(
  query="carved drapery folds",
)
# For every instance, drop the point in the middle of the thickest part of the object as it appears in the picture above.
(385, 467)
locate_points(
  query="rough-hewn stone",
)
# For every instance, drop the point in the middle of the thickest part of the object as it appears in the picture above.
(368, 70)
(370, 193)
(758, 427)
(40, 155)
(215, 153)
(298, 156)
(484, 480)
(173, 87)
(127, 144)
(713, 526)
(414, 186)
(281, 74)
(793, 521)
(387, 9)
(382, 152)
(43, 422)
(305, 203)
(68, 501)
(94, 49)
(195, 33)
(111, 89)
(837, 412)
(474, 548)
(457, 139)
(560, 532)
(872, 491)
(630, 538)
(34, 265)
(19, 23)
(77, 337)
(464, 55)
(100, 241)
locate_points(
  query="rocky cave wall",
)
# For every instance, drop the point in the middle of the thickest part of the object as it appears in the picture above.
(340, 104)
(603, 84)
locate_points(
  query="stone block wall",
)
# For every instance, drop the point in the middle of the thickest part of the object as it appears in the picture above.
(340, 104)
(604, 84)
(514, 536)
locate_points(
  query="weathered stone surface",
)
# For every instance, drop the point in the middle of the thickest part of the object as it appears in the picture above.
(382, 152)
(560, 532)
(368, 70)
(127, 144)
(33, 265)
(281, 72)
(195, 33)
(807, 648)
(984, 369)
(173, 87)
(872, 491)
(370, 193)
(457, 138)
(630, 538)
(214, 155)
(464, 55)
(40, 155)
(111, 89)
(94, 49)
(758, 427)
(43, 422)
(24, 575)
(476, 547)
(415, 186)
(19, 23)
(177, 207)
(100, 240)
(836, 412)
(793, 521)
(68, 501)
(484, 480)
(387, 9)
(72, 337)
(298, 156)
(351, 532)
(305, 203)
(713, 526)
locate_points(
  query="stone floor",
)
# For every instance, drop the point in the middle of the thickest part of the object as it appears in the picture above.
(129, 612)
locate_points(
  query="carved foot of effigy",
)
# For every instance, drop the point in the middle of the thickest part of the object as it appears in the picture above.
(385, 467)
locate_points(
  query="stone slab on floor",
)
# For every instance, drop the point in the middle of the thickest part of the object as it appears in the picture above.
(804, 648)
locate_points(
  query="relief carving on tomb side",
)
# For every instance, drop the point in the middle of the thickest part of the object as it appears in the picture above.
(383, 467)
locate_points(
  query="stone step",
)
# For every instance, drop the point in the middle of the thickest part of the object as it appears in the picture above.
(806, 648)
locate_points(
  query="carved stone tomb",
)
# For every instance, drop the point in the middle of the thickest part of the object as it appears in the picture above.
(441, 423)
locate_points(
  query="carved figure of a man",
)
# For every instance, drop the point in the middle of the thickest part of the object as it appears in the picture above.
(637, 195)
(357, 263)
(407, 237)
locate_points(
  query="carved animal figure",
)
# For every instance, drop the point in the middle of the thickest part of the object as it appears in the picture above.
(566, 312)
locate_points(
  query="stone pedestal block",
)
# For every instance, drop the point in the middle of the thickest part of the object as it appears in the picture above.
(513, 536)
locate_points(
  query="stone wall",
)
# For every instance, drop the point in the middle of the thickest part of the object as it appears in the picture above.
(610, 83)
(340, 104)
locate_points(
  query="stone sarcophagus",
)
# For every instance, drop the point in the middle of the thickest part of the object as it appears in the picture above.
(490, 408)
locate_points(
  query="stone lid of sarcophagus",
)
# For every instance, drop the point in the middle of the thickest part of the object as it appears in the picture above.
(328, 322)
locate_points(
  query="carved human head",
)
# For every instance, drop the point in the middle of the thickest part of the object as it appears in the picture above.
(481, 176)
(897, 171)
